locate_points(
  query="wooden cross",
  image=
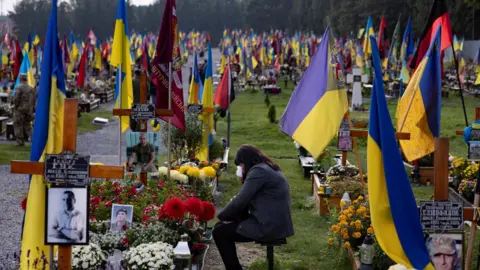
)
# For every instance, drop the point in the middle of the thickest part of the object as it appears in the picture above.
(143, 123)
(69, 144)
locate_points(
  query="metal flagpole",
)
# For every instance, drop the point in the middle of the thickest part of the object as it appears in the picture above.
(169, 136)
(229, 100)
(119, 74)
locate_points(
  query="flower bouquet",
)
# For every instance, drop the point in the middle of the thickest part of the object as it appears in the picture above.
(110, 240)
(88, 257)
(351, 225)
(157, 255)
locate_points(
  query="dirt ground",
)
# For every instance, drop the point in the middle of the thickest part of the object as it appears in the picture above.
(247, 253)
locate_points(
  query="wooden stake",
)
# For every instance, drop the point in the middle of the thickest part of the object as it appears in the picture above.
(442, 146)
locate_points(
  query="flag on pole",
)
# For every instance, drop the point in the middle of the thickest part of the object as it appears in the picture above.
(438, 16)
(319, 102)
(47, 139)
(208, 109)
(25, 69)
(196, 86)
(168, 51)
(121, 59)
(224, 88)
(419, 108)
(393, 208)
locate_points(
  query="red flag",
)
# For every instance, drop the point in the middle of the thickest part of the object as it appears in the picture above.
(438, 16)
(82, 67)
(18, 59)
(168, 51)
(66, 55)
(381, 38)
(221, 96)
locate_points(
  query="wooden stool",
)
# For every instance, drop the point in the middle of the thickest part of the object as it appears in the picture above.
(270, 246)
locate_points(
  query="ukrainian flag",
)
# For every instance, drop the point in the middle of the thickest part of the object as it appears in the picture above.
(207, 102)
(47, 139)
(25, 69)
(196, 83)
(367, 46)
(393, 208)
(422, 120)
(121, 58)
(319, 102)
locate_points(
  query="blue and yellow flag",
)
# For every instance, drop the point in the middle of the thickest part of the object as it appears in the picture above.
(367, 46)
(207, 102)
(47, 139)
(25, 69)
(196, 86)
(319, 102)
(393, 208)
(422, 119)
(122, 59)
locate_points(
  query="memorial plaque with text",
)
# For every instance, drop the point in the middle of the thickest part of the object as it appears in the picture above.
(441, 216)
(195, 108)
(67, 168)
(143, 111)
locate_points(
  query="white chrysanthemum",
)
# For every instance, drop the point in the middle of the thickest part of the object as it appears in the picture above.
(162, 171)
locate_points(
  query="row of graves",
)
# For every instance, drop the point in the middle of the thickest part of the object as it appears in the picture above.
(129, 220)
(340, 192)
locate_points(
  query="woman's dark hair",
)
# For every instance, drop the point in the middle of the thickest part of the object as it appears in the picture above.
(251, 156)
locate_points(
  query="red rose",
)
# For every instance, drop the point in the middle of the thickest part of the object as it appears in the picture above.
(145, 218)
(208, 212)
(116, 184)
(124, 227)
(92, 218)
(24, 203)
(107, 180)
(194, 206)
(125, 241)
(174, 208)
(132, 190)
(161, 184)
(108, 204)
(101, 188)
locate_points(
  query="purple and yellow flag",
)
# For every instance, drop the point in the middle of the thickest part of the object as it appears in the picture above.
(47, 139)
(319, 102)
(422, 120)
(393, 208)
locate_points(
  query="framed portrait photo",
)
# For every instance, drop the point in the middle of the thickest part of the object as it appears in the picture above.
(445, 250)
(142, 152)
(122, 217)
(66, 216)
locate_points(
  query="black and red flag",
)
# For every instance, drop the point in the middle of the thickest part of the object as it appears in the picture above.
(438, 16)
(382, 38)
(168, 51)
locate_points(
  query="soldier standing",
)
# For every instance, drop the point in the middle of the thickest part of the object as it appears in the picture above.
(24, 107)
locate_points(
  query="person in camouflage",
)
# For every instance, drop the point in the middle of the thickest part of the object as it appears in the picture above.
(24, 108)
(145, 154)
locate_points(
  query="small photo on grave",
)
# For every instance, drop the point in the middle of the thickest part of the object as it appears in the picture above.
(66, 216)
(122, 217)
(475, 135)
(345, 143)
(445, 250)
(474, 150)
(142, 152)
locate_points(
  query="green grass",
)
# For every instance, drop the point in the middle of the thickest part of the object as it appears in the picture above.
(307, 249)
(10, 152)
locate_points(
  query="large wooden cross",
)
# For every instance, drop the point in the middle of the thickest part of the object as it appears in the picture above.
(69, 144)
(143, 123)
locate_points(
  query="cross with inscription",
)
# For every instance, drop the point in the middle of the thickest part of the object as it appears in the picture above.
(356, 78)
(70, 145)
(143, 123)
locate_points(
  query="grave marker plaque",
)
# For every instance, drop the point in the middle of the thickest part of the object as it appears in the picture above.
(143, 111)
(67, 168)
(441, 216)
(195, 108)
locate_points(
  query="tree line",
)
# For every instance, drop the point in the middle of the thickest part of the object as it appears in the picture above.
(346, 16)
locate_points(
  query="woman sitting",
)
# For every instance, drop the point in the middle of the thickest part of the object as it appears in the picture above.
(259, 212)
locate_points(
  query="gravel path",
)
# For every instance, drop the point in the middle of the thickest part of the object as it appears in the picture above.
(247, 253)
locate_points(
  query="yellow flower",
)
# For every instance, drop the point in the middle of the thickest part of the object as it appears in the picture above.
(210, 171)
(184, 169)
(370, 230)
(335, 228)
(358, 222)
(346, 211)
(330, 241)
(352, 224)
(216, 165)
(345, 236)
(351, 208)
(357, 235)
(360, 198)
(359, 211)
(346, 244)
(343, 203)
(193, 172)
(355, 201)
(343, 223)
(359, 227)
(204, 163)
(349, 215)
(345, 231)
(341, 217)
